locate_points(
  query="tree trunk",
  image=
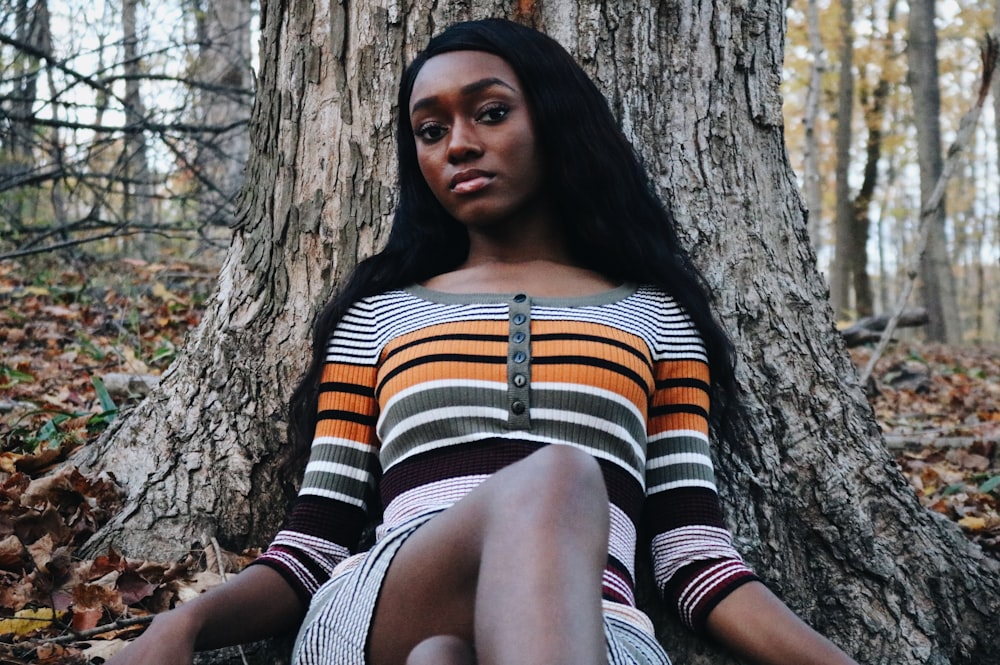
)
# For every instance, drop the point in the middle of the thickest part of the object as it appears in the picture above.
(812, 178)
(223, 72)
(136, 181)
(815, 501)
(937, 280)
(843, 223)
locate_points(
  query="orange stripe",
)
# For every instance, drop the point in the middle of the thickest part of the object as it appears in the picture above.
(443, 370)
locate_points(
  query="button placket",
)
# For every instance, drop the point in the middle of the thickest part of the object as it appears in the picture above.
(519, 363)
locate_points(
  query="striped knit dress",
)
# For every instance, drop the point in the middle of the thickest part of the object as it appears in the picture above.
(425, 394)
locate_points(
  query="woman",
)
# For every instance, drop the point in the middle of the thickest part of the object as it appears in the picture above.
(520, 376)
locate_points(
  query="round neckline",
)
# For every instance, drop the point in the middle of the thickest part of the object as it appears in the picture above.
(607, 297)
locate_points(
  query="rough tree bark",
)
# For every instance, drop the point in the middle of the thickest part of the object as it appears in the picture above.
(814, 499)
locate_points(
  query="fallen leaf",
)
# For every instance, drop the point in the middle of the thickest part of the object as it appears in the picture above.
(972, 523)
(29, 620)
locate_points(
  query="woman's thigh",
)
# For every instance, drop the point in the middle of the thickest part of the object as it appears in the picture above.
(432, 585)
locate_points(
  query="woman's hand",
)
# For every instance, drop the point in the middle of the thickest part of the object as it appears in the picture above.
(755, 623)
(255, 604)
(169, 640)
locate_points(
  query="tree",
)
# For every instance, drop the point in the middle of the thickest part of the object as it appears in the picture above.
(815, 501)
(224, 74)
(843, 225)
(937, 280)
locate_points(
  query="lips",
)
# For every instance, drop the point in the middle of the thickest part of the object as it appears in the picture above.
(471, 180)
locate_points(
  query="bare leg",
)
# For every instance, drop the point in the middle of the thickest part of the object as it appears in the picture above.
(442, 650)
(513, 568)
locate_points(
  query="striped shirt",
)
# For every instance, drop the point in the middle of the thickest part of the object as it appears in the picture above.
(425, 394)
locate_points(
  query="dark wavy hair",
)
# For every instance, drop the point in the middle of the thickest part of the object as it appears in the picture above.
(614, 222)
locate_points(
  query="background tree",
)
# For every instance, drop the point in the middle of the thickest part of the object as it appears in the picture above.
(937, 279)
(814, 499)
(843, 224)
(223, 71)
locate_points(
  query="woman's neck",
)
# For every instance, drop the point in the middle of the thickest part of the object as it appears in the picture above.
(538, 277)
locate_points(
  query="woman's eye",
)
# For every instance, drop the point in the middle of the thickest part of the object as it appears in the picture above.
(430, 131)
(492, 114)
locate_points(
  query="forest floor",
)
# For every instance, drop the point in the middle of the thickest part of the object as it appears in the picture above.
(68, 332)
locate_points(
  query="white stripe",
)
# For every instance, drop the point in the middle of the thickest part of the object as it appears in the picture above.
(691, 482)
(329, 494)
(678, 458)
(621, 540)
(680, 434)
(342, 443)
(338, 469)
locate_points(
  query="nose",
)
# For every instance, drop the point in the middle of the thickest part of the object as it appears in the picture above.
(463, 142)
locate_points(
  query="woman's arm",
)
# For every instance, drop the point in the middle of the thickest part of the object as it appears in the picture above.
(255, 604)
(755, 623)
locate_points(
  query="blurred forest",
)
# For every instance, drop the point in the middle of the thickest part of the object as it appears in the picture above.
(866, 84)
(124, 129)
(123, 125)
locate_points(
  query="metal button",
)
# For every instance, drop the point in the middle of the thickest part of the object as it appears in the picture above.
(519, 319)
(518, 337)
(519, 357)
(517, 407)
(520, 380)
(520, 297)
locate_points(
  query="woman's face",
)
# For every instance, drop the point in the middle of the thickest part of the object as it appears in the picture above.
(475, 140)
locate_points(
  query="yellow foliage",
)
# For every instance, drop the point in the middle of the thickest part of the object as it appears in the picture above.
(27, 621)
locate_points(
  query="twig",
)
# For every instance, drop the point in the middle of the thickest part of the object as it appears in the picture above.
(77, 636)
(968, 124)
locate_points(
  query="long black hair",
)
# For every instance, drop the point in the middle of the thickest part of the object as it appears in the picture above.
(613, 221)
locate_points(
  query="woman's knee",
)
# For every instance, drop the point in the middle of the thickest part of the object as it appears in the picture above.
(442, 650)
(559, 485)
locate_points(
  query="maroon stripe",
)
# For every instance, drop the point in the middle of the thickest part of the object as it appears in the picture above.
(684, 506)
(489, 456)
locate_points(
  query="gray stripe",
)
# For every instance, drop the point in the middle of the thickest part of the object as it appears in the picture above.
(675, 472)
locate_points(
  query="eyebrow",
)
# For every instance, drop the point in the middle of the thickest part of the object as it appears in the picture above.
(466, 90)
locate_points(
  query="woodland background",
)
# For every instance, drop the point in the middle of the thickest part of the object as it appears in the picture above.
(123, 133)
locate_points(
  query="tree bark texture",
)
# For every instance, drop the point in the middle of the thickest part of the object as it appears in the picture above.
(937, 281)
(814, 500)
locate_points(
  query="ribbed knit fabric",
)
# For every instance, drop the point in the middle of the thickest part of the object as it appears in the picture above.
(425, 394)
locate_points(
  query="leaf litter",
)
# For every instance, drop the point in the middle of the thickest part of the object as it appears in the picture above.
(62, 329)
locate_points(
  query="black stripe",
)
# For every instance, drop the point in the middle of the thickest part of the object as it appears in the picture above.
(436, 358)
(351, 388)
(593, 362)
(551, 337)
(668, 409)
(468, 337)
(349, 416)
(682, 383)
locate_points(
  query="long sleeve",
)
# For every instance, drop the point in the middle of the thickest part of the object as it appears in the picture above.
(326, 521)
(694, 562)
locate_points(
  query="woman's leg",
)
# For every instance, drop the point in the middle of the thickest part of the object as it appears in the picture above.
(442, 650)
(514, 568)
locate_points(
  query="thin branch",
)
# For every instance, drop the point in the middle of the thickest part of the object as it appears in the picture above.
(988, 53)
(79, 636)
